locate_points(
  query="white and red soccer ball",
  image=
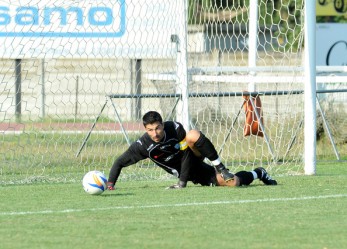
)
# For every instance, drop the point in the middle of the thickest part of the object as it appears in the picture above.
(94, 182)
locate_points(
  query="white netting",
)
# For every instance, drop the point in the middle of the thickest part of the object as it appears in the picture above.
(63, 61)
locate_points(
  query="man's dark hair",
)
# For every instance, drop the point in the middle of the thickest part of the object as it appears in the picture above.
(151, 117)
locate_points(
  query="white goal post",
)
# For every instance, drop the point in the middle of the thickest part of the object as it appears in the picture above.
(310, 88)
(77, 76)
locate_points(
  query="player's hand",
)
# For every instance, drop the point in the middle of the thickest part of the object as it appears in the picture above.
(175, 186)
(179, 185)
(110, 186)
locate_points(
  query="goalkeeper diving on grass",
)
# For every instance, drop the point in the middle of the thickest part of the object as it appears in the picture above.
(182, 154)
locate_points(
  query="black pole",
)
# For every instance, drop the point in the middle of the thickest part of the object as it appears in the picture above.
(138, 82)
(18, 89)
(76, 97)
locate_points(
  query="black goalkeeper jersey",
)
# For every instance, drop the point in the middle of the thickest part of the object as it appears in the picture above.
(169, 154)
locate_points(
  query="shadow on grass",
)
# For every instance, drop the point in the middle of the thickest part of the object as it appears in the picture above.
(115, 194)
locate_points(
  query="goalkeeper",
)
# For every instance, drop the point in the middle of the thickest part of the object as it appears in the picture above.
(181, 154)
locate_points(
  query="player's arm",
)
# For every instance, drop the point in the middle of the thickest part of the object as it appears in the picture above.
(115, 171)
(186, 164)
(185, 161)
(129, 157)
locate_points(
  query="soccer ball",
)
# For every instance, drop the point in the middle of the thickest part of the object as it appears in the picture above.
(94, 182)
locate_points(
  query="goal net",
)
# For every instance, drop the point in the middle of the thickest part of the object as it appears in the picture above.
(77, 76)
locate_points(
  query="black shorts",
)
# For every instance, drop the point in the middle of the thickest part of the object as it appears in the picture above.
(201, 172)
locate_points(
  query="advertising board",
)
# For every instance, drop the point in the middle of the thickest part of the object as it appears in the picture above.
(88, 28)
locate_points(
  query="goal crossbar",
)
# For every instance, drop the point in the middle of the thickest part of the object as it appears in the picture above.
(219, 94)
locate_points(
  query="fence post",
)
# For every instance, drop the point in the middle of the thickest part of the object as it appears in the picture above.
(138, 82)
(43, 90)
(18, 89)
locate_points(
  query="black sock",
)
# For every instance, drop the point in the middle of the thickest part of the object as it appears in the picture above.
(206, 148)
(245, 177)
(259, 172)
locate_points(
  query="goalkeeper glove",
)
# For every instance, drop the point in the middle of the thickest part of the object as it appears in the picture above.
(110, 186)
(179, 185)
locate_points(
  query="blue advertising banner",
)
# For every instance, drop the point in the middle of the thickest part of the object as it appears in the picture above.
(87, 28)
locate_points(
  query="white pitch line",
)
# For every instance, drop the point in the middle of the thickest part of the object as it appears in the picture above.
(173, 205)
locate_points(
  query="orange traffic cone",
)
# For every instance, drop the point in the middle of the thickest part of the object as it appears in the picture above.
(252, 124)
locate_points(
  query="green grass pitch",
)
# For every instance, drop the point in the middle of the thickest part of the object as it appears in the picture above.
(301, 212)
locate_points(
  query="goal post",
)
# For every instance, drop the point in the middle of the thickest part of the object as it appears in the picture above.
(182, 65)
(77, 76)
(310, 88)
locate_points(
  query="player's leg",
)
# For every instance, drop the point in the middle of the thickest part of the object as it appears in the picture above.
(235, 182)
(202, 147)
(247, 177)
(205, 175)
(264, 176)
